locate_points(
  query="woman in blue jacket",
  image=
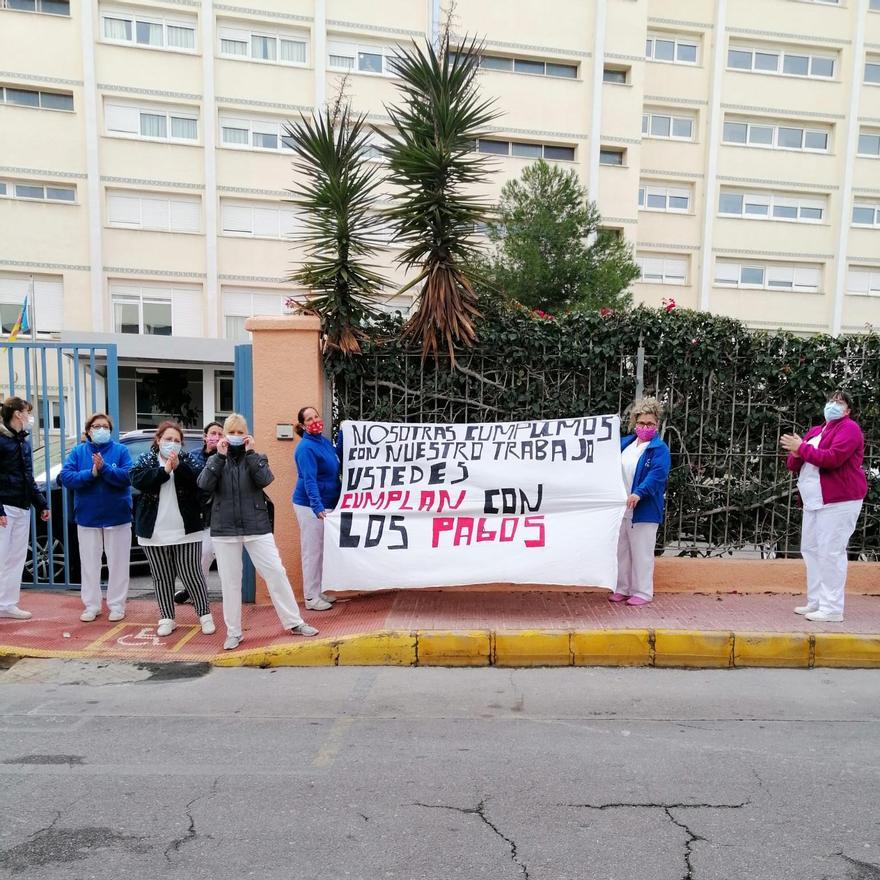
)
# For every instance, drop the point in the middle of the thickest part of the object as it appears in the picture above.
(18, 493)
(316, 494)
(98, 470)
(645, 463)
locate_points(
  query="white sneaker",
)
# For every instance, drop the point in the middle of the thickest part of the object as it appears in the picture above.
(166, 627)
(15, 613)
(824, 617)
(304, 630)
(326, 598)
(89, 615)
(207, 623)
(231, 643)
(115, 616)
(806, 609)
(318, 604)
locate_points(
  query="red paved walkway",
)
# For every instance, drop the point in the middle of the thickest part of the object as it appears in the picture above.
(56, 627)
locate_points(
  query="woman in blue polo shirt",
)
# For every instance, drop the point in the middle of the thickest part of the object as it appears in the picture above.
(316, 494)
(645, 461)
(98, 470)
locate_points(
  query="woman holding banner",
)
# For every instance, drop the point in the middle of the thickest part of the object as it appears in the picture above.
(315, 495)
(645, 461)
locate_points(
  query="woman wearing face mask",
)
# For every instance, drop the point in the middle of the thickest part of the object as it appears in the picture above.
(236, 477)
(18, 493)
(315, 495)
(645, 461)
(213, 431)
(168, 524)
(832, 486)
(98, 471)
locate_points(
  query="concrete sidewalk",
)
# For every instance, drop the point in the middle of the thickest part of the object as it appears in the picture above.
(470, 627)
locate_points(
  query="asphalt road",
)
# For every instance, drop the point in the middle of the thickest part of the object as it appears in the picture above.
(111, 771)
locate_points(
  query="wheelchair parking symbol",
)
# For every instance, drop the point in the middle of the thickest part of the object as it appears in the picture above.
(145, 638)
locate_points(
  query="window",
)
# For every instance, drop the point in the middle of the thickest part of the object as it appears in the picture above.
(256, 134)
(617, 75)
(257, 220)
(779, 61)
(869, 142)
(164, 213)
(34, 191)
(149, 31)
(48, 292)
(23, 97)
(361, 58)
(152, 123)
(660, 125)
(771, 206)
(872, 70)
(525, 65)
(661, 198)
(672, 50)
(156, 309)
(874, 5)
(863, 282)
(239, 304)
(612, 156)
(866, 214)
(274, 47)
(758, 276)
(525, 150)
(775, 136)
(47, 7)
(663, 270)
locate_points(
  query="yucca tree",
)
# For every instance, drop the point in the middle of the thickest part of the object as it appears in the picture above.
(339, 203)
(432, 163)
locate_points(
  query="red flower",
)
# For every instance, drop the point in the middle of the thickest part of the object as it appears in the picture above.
(538, 313)
(668, 303)
(605, 312)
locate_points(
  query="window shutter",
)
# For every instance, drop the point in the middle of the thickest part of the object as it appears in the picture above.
(188, 312)
(155, 214)
(185, 215)
(123, 210)
(237, 219)
(124, 119)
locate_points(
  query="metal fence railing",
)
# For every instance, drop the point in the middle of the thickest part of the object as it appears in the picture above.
(729, 491)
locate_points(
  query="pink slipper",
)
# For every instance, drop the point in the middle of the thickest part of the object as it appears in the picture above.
(618, 597)
(637, 601)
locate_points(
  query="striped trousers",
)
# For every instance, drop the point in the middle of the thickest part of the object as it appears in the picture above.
(184, 561)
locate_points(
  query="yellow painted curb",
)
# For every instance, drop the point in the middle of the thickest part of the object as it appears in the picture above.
(690, 648)
(847, 651)
(612, 647)
(791, 650)
(311, 653)
(378, 649)
(466, 648)
(533, 648)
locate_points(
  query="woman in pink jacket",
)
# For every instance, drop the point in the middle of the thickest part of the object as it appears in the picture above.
(832, 485)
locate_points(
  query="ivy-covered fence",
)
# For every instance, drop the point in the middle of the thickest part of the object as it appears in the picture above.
(729, 393)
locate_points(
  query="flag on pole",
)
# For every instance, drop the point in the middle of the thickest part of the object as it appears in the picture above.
(22, 323)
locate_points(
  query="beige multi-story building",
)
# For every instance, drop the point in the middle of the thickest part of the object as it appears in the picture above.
(144, 167)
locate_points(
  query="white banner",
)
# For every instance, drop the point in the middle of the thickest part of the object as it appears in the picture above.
(506, 502)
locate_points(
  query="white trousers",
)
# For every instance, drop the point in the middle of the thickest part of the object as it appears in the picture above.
(208, 554)
(824, 536)
(13, 552)
(311, 539)
(115, 541)
(267, 562)
(635, 559)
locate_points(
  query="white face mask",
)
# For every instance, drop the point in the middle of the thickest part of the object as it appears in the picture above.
(235, 440)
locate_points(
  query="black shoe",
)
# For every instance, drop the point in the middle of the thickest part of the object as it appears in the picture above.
(181, 597)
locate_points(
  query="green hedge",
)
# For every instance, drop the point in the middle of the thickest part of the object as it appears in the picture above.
(729, 393)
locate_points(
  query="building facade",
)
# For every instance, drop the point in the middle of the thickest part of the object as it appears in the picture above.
(144, 167)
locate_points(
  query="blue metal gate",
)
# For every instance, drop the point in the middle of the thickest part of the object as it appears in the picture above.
(65, 384)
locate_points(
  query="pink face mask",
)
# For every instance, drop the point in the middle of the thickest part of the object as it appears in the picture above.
(646, 433)
(211, 442)
(315, 427)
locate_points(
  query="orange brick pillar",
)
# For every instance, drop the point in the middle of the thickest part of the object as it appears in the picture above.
(287, 375)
